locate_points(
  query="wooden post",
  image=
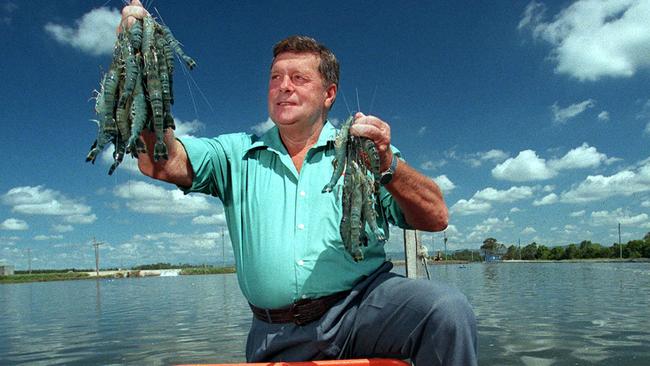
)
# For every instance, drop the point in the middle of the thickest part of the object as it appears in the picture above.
(415, 268)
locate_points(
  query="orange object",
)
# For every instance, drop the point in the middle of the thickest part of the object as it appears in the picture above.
(364, 362)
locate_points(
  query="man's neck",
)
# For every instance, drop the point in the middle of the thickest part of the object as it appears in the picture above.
(299, 141)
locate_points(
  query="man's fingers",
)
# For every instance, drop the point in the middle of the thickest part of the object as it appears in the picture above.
(136, 11)
(130, 14)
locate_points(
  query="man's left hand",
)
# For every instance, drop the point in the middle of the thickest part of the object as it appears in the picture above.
(379, 132)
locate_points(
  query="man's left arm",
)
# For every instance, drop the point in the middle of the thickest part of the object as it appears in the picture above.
(418, 196)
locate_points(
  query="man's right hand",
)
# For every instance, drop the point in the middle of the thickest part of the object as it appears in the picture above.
(130, 14)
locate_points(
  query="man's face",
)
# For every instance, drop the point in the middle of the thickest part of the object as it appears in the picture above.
(296, 91)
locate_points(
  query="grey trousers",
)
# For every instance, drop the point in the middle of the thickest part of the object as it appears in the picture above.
(385, 315)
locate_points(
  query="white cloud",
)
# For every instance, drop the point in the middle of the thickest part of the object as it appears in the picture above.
(187, 128)
(62, 228)
(471, 207)
(260, 128)
(94, 33)
(528, 230)
(510, 195)
(43, 201)
(14, 225)
(80, 219)
(561, 115)
(548, 188)
(599, 187)
(528, 166)
(489, 227)
(603, 116)
(422, 130)
(525, 167)
(584, 156)
(433, 165)
(515, 209)
(592, 39)
(546, 200)
(445, 184)
(477, 159)
(577, 213)
(148, 198)
(613, 218)
(216, 219)
(646, 130)
(47, 237)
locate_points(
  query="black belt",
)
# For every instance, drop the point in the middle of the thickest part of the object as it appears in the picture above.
(300, 312)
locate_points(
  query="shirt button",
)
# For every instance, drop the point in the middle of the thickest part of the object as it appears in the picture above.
(301, 226)
(301, 262)
(302, 193)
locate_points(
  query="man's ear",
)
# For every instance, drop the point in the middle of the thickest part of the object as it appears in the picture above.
(330, 95)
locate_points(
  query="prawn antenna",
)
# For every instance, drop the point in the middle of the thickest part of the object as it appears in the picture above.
(372, 101)
(358, 105)
(346, 103)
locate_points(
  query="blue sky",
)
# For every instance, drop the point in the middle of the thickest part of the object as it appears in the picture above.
(534, 117)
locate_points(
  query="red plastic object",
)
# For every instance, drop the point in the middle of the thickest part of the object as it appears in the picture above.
(364, 362)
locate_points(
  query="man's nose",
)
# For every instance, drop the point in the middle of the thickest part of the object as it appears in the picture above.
(286, 84)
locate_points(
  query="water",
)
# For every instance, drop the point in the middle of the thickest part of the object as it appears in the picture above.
(529, 314)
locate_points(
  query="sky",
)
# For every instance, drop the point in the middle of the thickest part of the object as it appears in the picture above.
(533, 118)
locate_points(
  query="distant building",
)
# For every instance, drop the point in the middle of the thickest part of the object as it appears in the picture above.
(6, 270)
(493, 258)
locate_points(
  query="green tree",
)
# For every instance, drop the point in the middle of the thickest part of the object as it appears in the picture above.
(571, 252)
(543, 252)
(512, 253)
(557, 253)
(529, 252)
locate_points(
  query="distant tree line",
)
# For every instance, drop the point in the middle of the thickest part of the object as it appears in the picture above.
(639, 248)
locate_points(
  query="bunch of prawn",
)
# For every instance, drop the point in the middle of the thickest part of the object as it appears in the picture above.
(136, 92)
(359, 159)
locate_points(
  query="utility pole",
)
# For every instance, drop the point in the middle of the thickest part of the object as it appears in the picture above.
(519, 241)
(223, 248)
(29, 260)
(445, 240)
(96, 244)
(620, 246)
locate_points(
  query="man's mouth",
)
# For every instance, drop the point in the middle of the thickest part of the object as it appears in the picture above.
(284, 104)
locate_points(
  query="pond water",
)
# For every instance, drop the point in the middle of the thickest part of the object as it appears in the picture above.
(529, 314)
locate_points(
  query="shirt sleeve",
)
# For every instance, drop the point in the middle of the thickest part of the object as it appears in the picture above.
(209, 160)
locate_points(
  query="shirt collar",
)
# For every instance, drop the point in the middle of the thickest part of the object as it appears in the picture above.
(272, 141)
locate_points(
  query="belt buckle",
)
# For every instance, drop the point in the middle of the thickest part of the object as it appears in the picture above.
(296, 315)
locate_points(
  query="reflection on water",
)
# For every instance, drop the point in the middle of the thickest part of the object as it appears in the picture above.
(558, 313)
(529, 314)
(126, 321)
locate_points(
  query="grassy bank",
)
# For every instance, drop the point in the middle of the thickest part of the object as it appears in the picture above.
(207, 270)
(44, 277)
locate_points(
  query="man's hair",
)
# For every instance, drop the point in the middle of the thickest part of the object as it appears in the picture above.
(329, 65)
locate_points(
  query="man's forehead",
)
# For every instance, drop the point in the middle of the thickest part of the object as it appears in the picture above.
(296, 59)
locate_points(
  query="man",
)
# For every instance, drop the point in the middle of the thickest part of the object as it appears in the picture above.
(309, 298)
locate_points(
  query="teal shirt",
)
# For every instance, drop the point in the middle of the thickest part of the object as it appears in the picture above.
(284, 231)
